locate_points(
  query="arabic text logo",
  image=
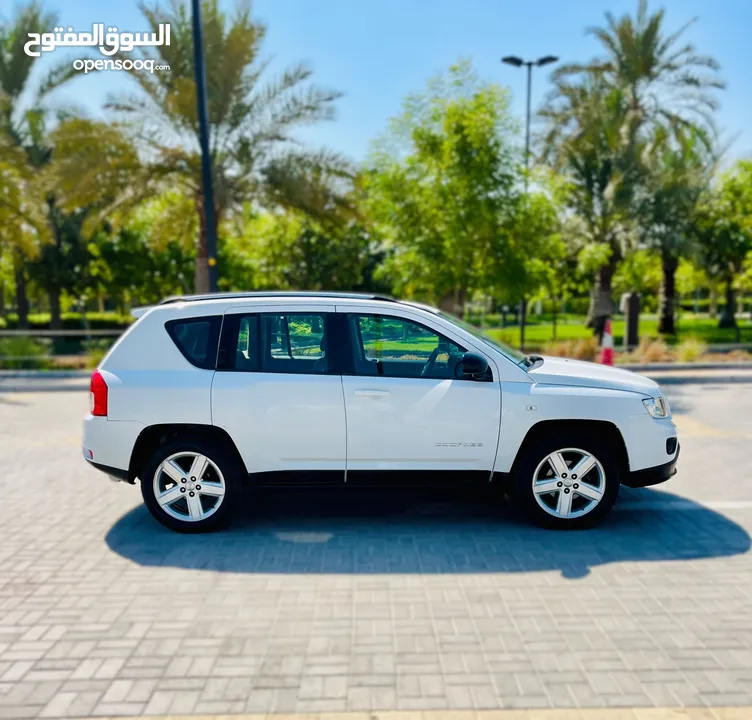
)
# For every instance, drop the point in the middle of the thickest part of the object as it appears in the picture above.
(108, 43)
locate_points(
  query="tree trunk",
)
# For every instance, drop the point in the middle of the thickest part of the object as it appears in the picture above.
(454, 302)
(713, 302)
(667, 296)
(22, 299)
(202, 253)
(554, 304)
(601, 304)
(53, 296)
(728, 318)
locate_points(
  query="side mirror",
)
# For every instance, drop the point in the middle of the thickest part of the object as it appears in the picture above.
(473, 364)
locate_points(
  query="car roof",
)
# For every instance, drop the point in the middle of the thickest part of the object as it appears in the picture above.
(225, 300)
(275, 294)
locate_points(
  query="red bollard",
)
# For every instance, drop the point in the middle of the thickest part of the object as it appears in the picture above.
(607, 345)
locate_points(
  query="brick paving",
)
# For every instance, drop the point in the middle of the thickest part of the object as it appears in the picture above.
(331, 602)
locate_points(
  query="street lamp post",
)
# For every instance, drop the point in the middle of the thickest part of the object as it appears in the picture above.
(203, 130)
(529, 64)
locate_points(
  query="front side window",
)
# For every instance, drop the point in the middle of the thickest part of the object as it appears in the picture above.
(280, 343)
(395, 347)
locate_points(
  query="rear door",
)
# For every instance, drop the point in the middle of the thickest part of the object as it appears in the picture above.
(406, 409)
(277, 395)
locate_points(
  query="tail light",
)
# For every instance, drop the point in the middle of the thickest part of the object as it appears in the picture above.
(98, 389)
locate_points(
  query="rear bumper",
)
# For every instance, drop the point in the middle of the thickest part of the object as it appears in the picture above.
(115, 474)
(654, 475)
(108, 444)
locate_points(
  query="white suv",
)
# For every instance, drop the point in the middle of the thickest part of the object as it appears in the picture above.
(204, 394)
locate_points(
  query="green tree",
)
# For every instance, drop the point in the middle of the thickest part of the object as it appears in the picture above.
(537, 251)
(443, 190)
(723, 230)
(61, 264)
(125, 267)
(253, 126)
(640, 272)
(744, 280)
(291, 251)
(678, 170)
(23, 108)
(690, 278)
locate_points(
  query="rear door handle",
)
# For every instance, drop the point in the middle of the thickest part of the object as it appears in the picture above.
(372, 393)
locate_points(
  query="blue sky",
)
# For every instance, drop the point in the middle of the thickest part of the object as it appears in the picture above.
(378, 51)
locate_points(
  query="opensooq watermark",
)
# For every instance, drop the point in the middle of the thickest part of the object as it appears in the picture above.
(108, 41)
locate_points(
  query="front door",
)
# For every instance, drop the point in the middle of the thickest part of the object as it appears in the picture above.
(275, 394)
(407, 411)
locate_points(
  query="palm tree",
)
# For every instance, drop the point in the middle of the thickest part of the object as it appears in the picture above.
(666, 83)
(592, 141)
(23, 107)
(254, 152)
(664, 87)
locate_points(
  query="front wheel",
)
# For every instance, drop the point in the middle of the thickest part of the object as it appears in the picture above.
(568, 481)
(189, 486)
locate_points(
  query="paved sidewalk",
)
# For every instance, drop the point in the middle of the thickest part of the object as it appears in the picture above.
(736, 713)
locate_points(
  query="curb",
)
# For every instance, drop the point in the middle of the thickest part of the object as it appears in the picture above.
(46, 387)
(44, 374)
(685, 367)
(700, 379)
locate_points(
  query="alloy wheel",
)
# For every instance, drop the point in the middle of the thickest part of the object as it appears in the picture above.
(569, 483)
(189, 486)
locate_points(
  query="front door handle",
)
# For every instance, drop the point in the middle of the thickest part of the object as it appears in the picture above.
(372, 393)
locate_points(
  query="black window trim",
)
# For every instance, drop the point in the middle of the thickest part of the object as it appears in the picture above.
(212, 343)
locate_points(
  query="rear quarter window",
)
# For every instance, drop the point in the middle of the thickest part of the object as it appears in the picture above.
(197, 339)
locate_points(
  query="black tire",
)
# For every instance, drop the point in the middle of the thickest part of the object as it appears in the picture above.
(228, 466)
(599, 445)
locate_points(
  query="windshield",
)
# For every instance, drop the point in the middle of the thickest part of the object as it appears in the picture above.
(509, 352)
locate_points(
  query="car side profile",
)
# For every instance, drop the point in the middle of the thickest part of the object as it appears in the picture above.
(205, 394)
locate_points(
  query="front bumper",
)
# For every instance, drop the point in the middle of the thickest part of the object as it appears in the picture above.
(654, 475)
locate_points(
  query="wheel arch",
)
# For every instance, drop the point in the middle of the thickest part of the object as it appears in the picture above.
(154, 436)
(603, 428)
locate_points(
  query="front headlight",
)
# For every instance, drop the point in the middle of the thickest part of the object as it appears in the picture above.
(657, 407)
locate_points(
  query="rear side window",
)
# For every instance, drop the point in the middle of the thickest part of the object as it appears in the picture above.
(275, 343)
(197, 339)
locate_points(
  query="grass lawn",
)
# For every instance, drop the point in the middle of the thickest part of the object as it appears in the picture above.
(702, 327)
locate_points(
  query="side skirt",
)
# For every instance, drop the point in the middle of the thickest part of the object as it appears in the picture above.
(375, 478)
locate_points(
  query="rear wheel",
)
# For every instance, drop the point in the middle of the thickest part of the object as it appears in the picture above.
(568, 480)
(190, 485)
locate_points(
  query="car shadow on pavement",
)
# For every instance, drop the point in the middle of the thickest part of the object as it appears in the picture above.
(391, 531)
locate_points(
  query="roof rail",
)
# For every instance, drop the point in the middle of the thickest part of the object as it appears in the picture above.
(275, 293)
